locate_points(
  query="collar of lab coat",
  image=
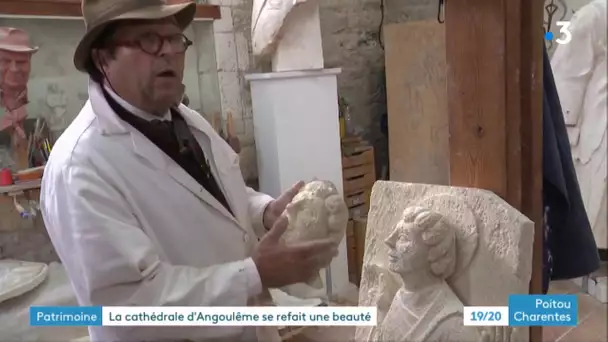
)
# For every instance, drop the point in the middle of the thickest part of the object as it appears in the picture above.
(111, 124)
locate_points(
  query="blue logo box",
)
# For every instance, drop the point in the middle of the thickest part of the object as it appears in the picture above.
(65, 315)
(543, 310)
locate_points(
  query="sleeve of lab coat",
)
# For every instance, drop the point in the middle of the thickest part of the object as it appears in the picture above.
(572, 65)
(114, 263)
(257, 205)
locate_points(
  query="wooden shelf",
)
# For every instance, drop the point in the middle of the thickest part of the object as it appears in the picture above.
(20, 187)
(71, 8)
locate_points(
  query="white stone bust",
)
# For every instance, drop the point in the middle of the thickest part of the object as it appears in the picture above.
(318, 211)
(267, 17)
(423, 252)
(288, 34)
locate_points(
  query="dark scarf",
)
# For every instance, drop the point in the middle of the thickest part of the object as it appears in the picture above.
(175, 139)
(570, 249)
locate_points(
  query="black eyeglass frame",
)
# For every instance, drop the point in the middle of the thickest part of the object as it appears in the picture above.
(137, 43)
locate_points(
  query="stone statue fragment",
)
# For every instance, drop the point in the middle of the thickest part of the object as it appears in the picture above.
(318, 211)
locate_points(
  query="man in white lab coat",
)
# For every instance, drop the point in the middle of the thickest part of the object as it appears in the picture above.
(143, 201)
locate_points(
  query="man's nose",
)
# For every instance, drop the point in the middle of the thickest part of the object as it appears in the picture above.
(13, 66)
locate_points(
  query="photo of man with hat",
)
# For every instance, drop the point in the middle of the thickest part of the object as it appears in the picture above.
(144, 202)
(16, 53)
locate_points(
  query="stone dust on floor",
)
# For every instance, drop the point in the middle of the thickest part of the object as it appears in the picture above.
(592, 317)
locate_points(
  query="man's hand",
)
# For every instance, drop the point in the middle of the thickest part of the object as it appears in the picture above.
(280, 265)
(276, 208)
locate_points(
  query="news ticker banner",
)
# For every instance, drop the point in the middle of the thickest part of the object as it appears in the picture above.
(526, 311)
(523, 310)
(202, 316)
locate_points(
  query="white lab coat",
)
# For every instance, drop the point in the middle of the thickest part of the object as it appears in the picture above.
(579, 68)
(134, 229)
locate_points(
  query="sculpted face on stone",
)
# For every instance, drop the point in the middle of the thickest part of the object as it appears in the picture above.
(422, 243)
(422, 251)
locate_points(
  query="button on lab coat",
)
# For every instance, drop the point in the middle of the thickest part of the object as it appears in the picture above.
(134, 229)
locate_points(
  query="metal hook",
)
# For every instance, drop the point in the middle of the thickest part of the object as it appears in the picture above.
(439, 10)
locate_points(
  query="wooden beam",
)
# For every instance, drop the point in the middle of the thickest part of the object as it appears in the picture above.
(71, 8)
(494, 58)
(531, 75)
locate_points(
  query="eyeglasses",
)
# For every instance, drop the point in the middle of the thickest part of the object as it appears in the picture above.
(152, 43)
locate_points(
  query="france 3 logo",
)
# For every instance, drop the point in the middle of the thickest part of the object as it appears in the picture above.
(566, 34)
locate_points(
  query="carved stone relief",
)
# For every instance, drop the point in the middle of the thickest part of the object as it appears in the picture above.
(430, 250)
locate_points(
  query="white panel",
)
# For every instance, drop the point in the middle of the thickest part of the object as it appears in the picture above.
(297, 135)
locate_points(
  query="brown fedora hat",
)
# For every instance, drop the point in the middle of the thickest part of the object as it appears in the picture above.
(99, 13)
(15, 40)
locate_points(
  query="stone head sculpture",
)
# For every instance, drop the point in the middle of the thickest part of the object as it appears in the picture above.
(15, 60)
(422, 246)
(318, 211)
